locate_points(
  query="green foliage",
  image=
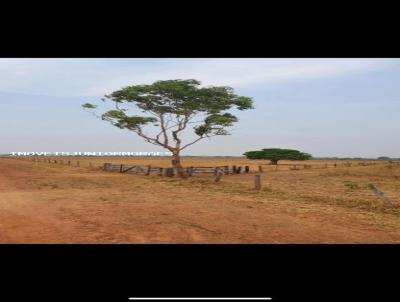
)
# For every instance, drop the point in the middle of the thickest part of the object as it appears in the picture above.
(175, 102)
(184, 98)
(215, 123)
(89, 106)
(275, 154)
(121, 120)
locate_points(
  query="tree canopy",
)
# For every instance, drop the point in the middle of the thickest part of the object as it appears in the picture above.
(276, 154)
(171, 106)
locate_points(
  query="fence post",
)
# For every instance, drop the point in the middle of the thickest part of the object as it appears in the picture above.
(121, 167)
(226, 170)
(257, 182)
(246, 169)
(190, 171)
(148, 170)
(380, 195)
(160, 171)
(239, 170)
(260, 169)
(218, 175)
(169, 172)
(233, 169)
(216, 169)
(106, 167)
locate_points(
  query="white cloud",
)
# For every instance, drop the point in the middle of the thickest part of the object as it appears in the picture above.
(96, 77)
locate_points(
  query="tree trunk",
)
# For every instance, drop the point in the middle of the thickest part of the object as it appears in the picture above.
(176, 163)
(274, 162)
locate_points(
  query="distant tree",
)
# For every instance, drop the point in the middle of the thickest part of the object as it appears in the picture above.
(276, 154)
(384, 158)
(171, 106)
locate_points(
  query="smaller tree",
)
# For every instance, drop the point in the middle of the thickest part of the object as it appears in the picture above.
(276, 154)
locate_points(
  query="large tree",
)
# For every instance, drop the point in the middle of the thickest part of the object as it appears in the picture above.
(172, 106)
(276, 154)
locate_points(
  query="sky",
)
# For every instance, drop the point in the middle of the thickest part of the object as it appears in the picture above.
(326, 107)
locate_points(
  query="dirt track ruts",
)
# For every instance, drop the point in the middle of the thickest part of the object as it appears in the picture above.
(69, 205)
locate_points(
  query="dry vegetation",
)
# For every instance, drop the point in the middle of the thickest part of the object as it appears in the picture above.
(47, 203)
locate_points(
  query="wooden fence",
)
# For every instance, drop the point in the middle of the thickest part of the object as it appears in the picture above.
(220, 170)
(225, 170)
(215, 170)
(147, 170)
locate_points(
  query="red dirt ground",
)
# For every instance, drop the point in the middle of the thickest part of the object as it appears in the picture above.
(52, 204)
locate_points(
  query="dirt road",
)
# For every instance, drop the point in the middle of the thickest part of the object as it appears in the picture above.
(52, 204)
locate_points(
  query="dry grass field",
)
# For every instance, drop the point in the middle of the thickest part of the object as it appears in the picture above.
(54, 203)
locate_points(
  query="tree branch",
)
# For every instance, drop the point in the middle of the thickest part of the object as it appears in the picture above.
(181, 126)
(195, 141)
(149, 139)
(163, 130)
